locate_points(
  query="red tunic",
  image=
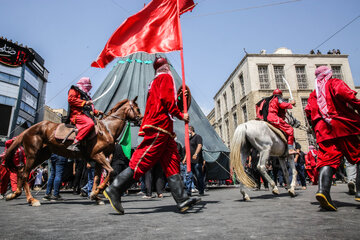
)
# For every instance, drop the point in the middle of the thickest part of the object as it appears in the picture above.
(76, 105)
(340, 99)
(276, 116)
(160, 104)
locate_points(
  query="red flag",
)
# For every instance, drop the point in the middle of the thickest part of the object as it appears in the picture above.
(186, 5)
(154, 29)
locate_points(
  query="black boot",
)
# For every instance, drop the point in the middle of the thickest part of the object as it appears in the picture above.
(178, 192)
(121, 183)
(357, 187)
(323, 194)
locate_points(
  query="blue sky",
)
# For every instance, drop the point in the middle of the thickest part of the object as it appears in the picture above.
(70, 34)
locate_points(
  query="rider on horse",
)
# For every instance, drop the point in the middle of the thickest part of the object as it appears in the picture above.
(276, 116)
(82, 110)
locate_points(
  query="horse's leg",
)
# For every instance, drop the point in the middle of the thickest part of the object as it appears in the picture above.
(18, 190)
(291, 191)
(242, 191)
(102, 164)
(264, 156)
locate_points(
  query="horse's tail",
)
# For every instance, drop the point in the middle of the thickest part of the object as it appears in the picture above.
(238, 141)
(10, 151)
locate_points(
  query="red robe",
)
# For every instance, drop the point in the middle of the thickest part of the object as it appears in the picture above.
(157, 128)
(276, 116)
(83, 123)
(340, 137)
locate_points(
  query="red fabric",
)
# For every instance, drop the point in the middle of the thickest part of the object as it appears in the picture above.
(84, 124)
(156, 146)
(76, 105)
(13, 181)
(4, 179)
(276, 117)
(345, 121)
(186, 5)
(154, 29)
(310, 165)
(19, 158)
(332, 151)
(160, 103)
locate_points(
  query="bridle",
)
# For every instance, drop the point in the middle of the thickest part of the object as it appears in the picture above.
(137, 120)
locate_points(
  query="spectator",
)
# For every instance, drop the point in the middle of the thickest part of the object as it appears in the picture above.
(78, 168)
(197, 161)
(310, 164)
(351, 176)
(57, 168)
(299, 165)
(253, 162)
(39, 179)
(154, 176)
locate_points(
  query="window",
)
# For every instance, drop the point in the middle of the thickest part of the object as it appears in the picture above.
(304, 102)
(244, 113)
(235, 120)
(233, 93)
(241, 77)
(336, 72)
(263, 77)
(31, 89)
(227, 131)
(7, 100)
(279, 73)
(25, 107)
(4, 77)
(301, 77)
(219, 107)
(225, 101)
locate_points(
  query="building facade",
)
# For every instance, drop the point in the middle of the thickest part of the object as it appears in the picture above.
(23, 79)
(257, 75)
(54, 115)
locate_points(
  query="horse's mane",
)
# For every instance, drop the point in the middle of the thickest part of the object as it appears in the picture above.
(116, 107)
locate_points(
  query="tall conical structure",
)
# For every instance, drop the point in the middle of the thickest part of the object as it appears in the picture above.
(130, 77)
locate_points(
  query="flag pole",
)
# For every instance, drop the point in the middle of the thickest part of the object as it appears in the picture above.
(187, 141)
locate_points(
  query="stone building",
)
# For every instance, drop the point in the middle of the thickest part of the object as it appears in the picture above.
(257, 75)
(54, 115)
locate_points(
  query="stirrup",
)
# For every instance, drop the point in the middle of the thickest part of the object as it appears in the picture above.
(73, 147)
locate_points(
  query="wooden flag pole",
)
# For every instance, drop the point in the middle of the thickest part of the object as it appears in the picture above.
(187, 140)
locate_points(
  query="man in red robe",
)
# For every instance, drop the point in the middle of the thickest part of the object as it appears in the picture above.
(158, 143)
(331, 113)
(276, 116)
(310, 164)
(82, 110)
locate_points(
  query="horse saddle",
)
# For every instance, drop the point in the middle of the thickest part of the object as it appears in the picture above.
(67, 132)
(278, 132)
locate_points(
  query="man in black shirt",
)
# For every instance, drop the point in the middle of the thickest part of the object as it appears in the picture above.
(197, 160)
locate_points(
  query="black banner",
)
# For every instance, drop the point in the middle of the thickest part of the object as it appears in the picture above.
(13, 55)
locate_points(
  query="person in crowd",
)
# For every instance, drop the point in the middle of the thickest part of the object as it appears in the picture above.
(310, 164)
(78, 168)
(154, 176)
(82, 110)
(299, 165)
(158, 143)
(276, 115)
(19, 161)
(119, 161)
(276, 168)
(39, 178)
(197, 162)
(58, 164)
(351, 176)
(331, 113)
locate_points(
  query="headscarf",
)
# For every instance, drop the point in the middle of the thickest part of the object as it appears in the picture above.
(311, 147)
(323, 74)
(165, 69)
(84, 84)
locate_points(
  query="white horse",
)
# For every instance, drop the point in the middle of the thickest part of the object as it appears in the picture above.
(257, 134)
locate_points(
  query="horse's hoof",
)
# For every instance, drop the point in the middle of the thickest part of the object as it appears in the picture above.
(246, 198)
(35, 203)
(9, 197)
(100, 202)
(275, 191)
(93, 196)
(292, 193)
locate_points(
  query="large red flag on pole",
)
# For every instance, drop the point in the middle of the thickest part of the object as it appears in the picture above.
(154, 29)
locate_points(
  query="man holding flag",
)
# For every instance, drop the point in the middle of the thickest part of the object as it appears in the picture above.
(158, 143)
(156, 28)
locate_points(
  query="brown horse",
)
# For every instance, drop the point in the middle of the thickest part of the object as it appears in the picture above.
(39, 142)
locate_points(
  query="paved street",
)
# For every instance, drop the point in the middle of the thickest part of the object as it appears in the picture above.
(221, 215)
